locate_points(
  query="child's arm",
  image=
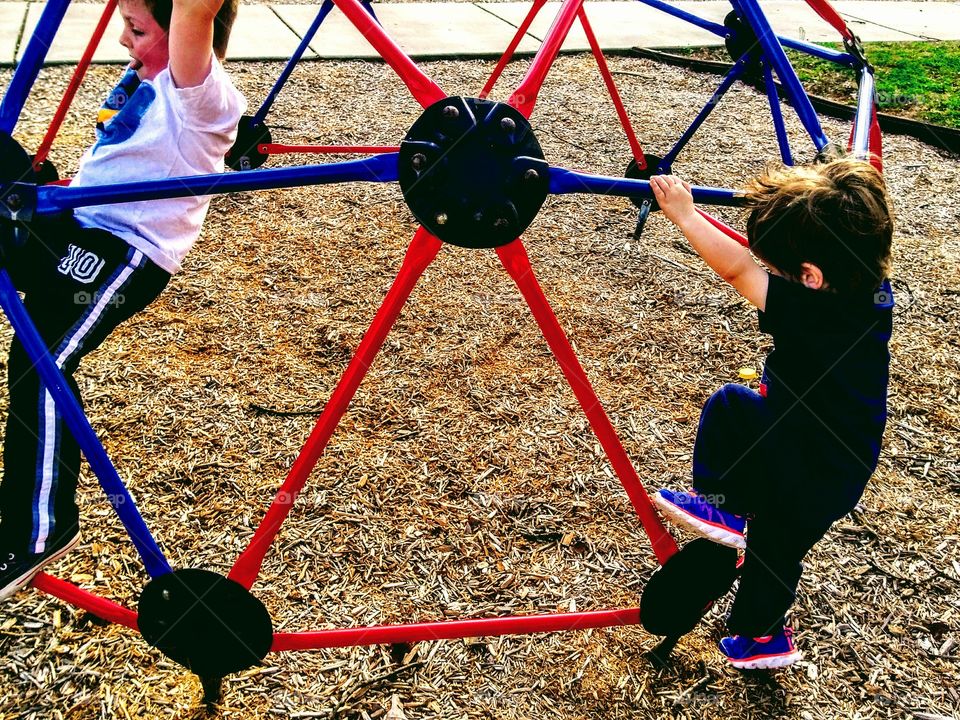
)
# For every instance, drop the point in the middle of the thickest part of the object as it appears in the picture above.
(728, 258)
(191, 40)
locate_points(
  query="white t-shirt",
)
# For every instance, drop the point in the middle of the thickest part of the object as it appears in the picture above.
(162, 131)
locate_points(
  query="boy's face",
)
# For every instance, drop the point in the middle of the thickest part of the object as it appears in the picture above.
(144, 38)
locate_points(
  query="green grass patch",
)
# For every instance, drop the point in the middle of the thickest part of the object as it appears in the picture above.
(920, 80)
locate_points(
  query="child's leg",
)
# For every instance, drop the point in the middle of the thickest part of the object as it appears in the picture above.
(777, 543)
(727, 467)
(75, 303)
(728, 461)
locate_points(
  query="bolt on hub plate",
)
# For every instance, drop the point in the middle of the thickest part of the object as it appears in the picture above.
(472, 172)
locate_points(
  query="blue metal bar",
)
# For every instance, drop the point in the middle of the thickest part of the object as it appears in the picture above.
(368, 6)
(818, 51)
(29, 67)
(563, 181)
(707, 25)
(864, 117)
(774, 97)
(774, 54)
(292, 63)
(735, 72)
(52, 199)
(56, 384)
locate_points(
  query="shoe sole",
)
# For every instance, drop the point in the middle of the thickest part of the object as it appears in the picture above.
(769, 662)
(24, 580)
(711, 532)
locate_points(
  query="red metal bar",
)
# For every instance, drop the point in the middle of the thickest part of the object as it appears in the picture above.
(825, 10)
(524, 98)
(101, 607)
(724, 228)
(451, 629)
(515, 260)
(876, 142)
(512, 47)
(423, 249)
(424, 90)
(74, 84)
(614, 92)
(279, 148)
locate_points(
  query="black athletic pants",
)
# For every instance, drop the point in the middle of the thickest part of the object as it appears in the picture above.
(79, 284)
(748, 462)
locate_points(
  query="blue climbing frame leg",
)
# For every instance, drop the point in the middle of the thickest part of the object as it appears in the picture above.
(325, 9)
(773, 53)
(29, 66)
(735, 72)
(53, 379)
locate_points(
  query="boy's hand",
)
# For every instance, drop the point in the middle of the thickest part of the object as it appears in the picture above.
(674, 197)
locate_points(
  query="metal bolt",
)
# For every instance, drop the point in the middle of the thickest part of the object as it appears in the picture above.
(14, 202)
(441, 218)
(418, 161)
(531, 175)
(500, 223)
(165, 594)
(451, 112)
(508, 125)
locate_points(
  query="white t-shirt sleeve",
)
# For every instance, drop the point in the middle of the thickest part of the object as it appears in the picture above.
(163, 132)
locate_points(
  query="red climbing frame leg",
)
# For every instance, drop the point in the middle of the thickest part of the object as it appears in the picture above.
(512, 47)
(424, 90)
(423, 249)
(101, 607)
(524, 98)
(75, 81)
(724, 228)
(514, 259)
(828, 14)
(450, 629)
(614, 92)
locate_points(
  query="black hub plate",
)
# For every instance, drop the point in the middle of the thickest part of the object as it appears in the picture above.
(15, 164)
(634, 172)
(209, 624)
(17, 201)
(742, 40)
(678, 594)
(472, 172)
(245, 153)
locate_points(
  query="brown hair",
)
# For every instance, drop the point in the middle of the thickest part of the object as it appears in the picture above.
(222, 24)
(835, 215)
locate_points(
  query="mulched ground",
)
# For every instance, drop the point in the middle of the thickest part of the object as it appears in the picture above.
(464, 481)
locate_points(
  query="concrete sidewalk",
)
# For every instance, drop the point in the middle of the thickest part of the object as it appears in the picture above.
(462, 29)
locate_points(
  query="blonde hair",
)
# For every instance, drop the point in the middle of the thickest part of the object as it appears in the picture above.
(835, 215)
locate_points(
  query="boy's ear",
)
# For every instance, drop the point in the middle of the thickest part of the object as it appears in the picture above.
(811, 276)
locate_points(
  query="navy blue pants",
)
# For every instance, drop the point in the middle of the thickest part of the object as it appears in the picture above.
(78, 285)
(747, 462)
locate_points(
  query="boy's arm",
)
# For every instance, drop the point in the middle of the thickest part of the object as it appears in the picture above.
(190, 40)
(728, 258)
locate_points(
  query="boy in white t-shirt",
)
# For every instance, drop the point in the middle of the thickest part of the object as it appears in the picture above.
(174, 113)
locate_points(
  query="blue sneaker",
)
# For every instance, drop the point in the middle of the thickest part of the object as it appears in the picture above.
(693, 511)
(772, 651)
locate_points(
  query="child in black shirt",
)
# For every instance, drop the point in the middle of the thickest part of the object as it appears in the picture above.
(793, 458)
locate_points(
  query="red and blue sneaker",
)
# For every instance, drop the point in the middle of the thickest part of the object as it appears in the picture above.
(695, 512)
(772, 651)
